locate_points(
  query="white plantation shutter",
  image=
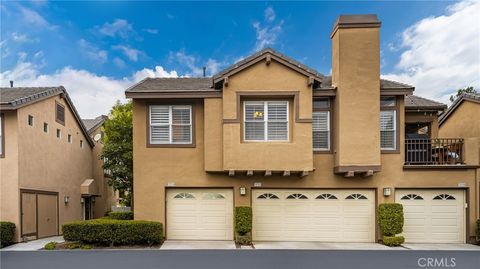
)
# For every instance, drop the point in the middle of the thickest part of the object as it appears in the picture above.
(266, 121)
(277, 125)
(388, 129)
(170, 124)
(321, 130)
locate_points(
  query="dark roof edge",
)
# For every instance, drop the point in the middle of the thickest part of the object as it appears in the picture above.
(456, 103)
(94, 127)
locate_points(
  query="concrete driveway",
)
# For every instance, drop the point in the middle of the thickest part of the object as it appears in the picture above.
(178, 244)
(441, 247)
(34, 244)
(320, 245)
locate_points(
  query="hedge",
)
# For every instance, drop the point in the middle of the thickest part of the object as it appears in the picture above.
(121, 215)
(393, 241)
(478, 230)
(7, 233)
(390, 218)
(114, 232)
(243, 220)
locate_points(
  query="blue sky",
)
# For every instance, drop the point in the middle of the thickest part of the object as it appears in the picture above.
(114, 44)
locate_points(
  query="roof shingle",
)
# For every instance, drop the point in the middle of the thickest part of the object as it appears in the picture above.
(92, 124)
(413, 102)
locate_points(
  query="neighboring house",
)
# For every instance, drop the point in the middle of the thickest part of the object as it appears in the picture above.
(109, 196)
(50, 172)
(312, 155)
(462, 119)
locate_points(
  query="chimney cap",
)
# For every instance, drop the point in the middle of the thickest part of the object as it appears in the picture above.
(356, 21)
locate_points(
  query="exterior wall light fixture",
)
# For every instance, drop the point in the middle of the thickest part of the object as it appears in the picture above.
(387, 192)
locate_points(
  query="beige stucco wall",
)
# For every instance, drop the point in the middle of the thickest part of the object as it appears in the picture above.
(261, 78)
(356, 74)
(9, 195)
(463, 122)
(51, 164)
(156, 168)
(39, 161)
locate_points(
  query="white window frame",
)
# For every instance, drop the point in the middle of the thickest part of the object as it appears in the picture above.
(394, 129)
(328, 130)
(170, 125)
(265, 120)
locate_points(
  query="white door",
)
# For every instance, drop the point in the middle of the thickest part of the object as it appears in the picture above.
(199, 214)
(313, 215)
(433, 216)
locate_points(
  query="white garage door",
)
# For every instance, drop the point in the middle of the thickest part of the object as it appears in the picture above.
(199, 214)
(433, 216)
(313, 215)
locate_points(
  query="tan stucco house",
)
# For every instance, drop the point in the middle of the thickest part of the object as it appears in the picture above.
(313, 155)
(50, 168)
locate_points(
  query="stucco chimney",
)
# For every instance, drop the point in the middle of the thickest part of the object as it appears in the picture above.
(356, 74)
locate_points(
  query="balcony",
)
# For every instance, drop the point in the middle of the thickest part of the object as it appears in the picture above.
(434, 152)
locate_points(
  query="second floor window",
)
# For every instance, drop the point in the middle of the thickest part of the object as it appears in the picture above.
(170, 124)
(388, 124)
(266, 121)
(321, 124)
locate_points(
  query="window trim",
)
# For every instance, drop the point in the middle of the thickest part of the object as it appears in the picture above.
(28, 120)
(2, 133)
(265, 121)
(193, 106)
(58, 134)
(330, 115)
(395, 108)
(47, 126)
(56, 113)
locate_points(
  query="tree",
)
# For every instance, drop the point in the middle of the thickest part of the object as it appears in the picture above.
(462, 91)
(117, 150)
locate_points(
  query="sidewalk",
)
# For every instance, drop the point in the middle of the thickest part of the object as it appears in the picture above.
(34, 244)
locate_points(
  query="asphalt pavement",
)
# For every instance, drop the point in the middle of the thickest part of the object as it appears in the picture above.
(238, 259)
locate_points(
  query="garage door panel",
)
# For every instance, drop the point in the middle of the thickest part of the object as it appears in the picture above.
(329, 218)
(438, 218)
(199, 214)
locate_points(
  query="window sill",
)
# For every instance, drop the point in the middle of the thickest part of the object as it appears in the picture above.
(390, 151)
(171, 145)
(323, 151)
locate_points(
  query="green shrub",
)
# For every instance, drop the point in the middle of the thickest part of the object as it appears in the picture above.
(114, 232)
(243, 239)
(393, 241)
(50, 246)
(121, 215)
(7, 233)
(478, 230)
(107, 213)
(243, 220)
(390, 218)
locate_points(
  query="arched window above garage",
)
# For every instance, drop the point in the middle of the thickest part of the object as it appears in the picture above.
(297, 196)
(326, 196)
(356, 196)
(184, 195)
(444, 196)
(213, 196)
(412, 197)
(267, 196)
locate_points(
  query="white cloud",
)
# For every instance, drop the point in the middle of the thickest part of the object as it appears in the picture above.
(267, 34)
(119, 62)
(191, 63)
(269, 14)
(22, 38)
(132, 54)
(442, 54)
(92, 51)
(119, 27)
(151, 31)
(92, 94)
(32, 17)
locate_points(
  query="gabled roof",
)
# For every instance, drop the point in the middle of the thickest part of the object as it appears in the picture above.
(173, 88)
(16, 97)
(388, 86)
(417, 103)
(265, 54)
(92, 124)
(473, 97)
